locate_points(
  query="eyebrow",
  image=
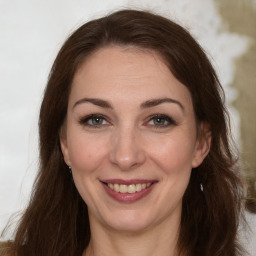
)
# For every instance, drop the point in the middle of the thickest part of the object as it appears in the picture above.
(156, 102)
(97, 102)
(146, 104)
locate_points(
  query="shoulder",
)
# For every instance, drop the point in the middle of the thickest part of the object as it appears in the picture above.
(251, 235)
(247, 234)
(5, 249)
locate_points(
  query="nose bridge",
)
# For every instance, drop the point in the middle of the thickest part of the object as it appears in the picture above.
(127, 149)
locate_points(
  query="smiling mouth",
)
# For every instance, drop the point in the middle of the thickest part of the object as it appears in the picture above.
(131, 188)
(128, 191)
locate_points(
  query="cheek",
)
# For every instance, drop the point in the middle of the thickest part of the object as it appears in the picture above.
(86, 152)
(174, 159)
(174, 154)
(87, 155)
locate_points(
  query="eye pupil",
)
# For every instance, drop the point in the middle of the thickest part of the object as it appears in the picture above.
(159, 121)
(97, 120)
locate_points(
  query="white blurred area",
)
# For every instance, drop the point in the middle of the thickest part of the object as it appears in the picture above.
(31, 34)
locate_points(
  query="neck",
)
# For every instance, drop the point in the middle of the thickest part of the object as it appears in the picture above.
(158, 240)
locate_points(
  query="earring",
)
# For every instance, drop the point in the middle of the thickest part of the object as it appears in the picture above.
(201, 187)
(70, 170)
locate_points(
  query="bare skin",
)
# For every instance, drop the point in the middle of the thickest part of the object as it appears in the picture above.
(130, 121)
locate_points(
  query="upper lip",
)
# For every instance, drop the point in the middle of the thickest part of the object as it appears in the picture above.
(128, 182)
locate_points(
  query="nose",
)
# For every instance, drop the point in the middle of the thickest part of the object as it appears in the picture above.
(127, 149)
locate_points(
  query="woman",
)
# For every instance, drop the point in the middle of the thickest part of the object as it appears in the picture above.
(134, 147)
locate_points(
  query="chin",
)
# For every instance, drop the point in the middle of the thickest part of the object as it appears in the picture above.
(129, 221)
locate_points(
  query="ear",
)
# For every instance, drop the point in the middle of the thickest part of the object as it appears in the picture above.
(64, 145)
(203, 144)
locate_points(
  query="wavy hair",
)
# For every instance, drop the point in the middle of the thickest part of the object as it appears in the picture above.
(56, 220)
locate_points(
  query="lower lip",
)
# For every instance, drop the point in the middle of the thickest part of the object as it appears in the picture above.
(127, 197)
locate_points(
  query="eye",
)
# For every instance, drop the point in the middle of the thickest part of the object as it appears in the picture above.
(94, 121)
(160, 121)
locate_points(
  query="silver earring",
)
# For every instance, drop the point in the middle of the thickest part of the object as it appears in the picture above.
(201, 187)
(70, 170)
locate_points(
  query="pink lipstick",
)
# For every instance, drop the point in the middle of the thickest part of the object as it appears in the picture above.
(128, 191)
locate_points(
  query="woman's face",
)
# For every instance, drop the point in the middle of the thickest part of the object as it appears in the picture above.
(131, 139)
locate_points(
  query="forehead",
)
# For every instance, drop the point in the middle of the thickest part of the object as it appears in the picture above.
(126, 71)
(123, 62)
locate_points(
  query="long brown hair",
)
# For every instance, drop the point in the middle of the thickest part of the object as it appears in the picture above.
(56, 220)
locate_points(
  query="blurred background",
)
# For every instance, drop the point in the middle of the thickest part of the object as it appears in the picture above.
(33, 31)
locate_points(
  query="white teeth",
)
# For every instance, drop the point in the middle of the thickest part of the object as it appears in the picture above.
(138, 187)
(116, 187)
(132, 188)
(123, 188)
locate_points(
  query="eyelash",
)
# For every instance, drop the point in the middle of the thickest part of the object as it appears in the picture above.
(85, 120)
(161, 117)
